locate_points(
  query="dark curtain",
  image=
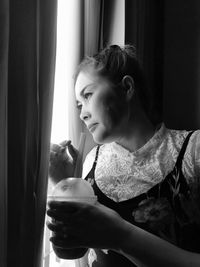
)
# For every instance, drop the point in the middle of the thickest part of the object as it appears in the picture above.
(144, 27)
(4, 24)
(167, 37)
(29, 70)
(181, 97)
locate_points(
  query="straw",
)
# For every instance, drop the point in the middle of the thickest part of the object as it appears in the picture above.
(79, 161)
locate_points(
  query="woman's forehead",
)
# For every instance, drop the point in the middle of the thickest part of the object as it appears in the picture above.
(85, 79)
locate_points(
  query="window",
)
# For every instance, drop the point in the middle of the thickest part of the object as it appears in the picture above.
(66, 40)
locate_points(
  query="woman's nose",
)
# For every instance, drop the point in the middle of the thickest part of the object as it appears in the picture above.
(84, 115)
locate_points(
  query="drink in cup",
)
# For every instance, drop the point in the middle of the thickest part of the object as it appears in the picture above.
(76, 190)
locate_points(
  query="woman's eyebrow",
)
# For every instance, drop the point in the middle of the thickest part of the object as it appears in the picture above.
(84, 88)
(82, 92)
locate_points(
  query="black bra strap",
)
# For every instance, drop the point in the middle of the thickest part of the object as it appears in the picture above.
(96, 157)
(92, 171)
(183, 149)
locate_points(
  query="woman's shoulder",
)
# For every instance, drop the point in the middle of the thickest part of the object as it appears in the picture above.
(177, 137)
(177, 133)
(191, 159)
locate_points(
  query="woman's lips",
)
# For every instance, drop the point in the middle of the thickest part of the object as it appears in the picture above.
(92, 127)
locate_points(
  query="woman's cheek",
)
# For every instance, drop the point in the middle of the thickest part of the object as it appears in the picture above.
(115, 110)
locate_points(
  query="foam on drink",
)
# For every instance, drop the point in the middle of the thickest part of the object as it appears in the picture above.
(73, 189)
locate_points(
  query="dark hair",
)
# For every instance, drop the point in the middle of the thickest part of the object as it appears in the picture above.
(114, 62)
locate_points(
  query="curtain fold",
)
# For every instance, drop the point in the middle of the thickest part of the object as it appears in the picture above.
(75, 127)
(4, 22)
(93, 26)
(32, 31)
(47, 24)
(113, 22)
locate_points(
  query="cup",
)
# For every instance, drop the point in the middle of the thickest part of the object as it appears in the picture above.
(74, 190)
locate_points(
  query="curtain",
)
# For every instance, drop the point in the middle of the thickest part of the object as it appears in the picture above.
(93, 23)
(144, 27)
(182, 64)
(86, 40)
(4, 22)
(74, 124)
(166, 35)
(27, 56)
(113, 22)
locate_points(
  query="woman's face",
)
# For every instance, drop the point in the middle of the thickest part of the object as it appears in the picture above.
(101, 109)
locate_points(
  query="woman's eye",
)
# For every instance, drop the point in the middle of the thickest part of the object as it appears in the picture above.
(87, 95)
(79, 106)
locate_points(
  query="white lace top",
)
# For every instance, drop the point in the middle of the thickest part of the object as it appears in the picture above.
(121, 174)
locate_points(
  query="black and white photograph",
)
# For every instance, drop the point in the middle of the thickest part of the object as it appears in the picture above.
(99, 133)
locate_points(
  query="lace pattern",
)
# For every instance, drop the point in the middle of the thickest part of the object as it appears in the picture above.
(121, 174)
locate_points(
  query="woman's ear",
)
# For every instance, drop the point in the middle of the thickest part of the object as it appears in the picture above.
(128, 86)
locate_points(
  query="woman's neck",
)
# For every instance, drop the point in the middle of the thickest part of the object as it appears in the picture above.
(137, 132)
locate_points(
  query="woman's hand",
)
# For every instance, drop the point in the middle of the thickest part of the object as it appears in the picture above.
(96, 226)
(62, 161)
(85, 225)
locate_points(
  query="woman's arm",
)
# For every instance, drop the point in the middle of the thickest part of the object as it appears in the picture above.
(146, 249)
(96, 226)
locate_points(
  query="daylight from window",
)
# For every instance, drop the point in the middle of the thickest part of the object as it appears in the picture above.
(63, 72)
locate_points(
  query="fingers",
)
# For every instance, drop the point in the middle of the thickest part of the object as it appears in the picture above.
(58, 227)
(64, 235)
(60, 231)
(69, 206)
(65, 143)
(61, 147)
(66, 212)
(58, 216)
(73, 152)
(66, 242)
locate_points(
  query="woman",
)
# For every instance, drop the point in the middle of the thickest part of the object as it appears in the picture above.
(146, 177)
